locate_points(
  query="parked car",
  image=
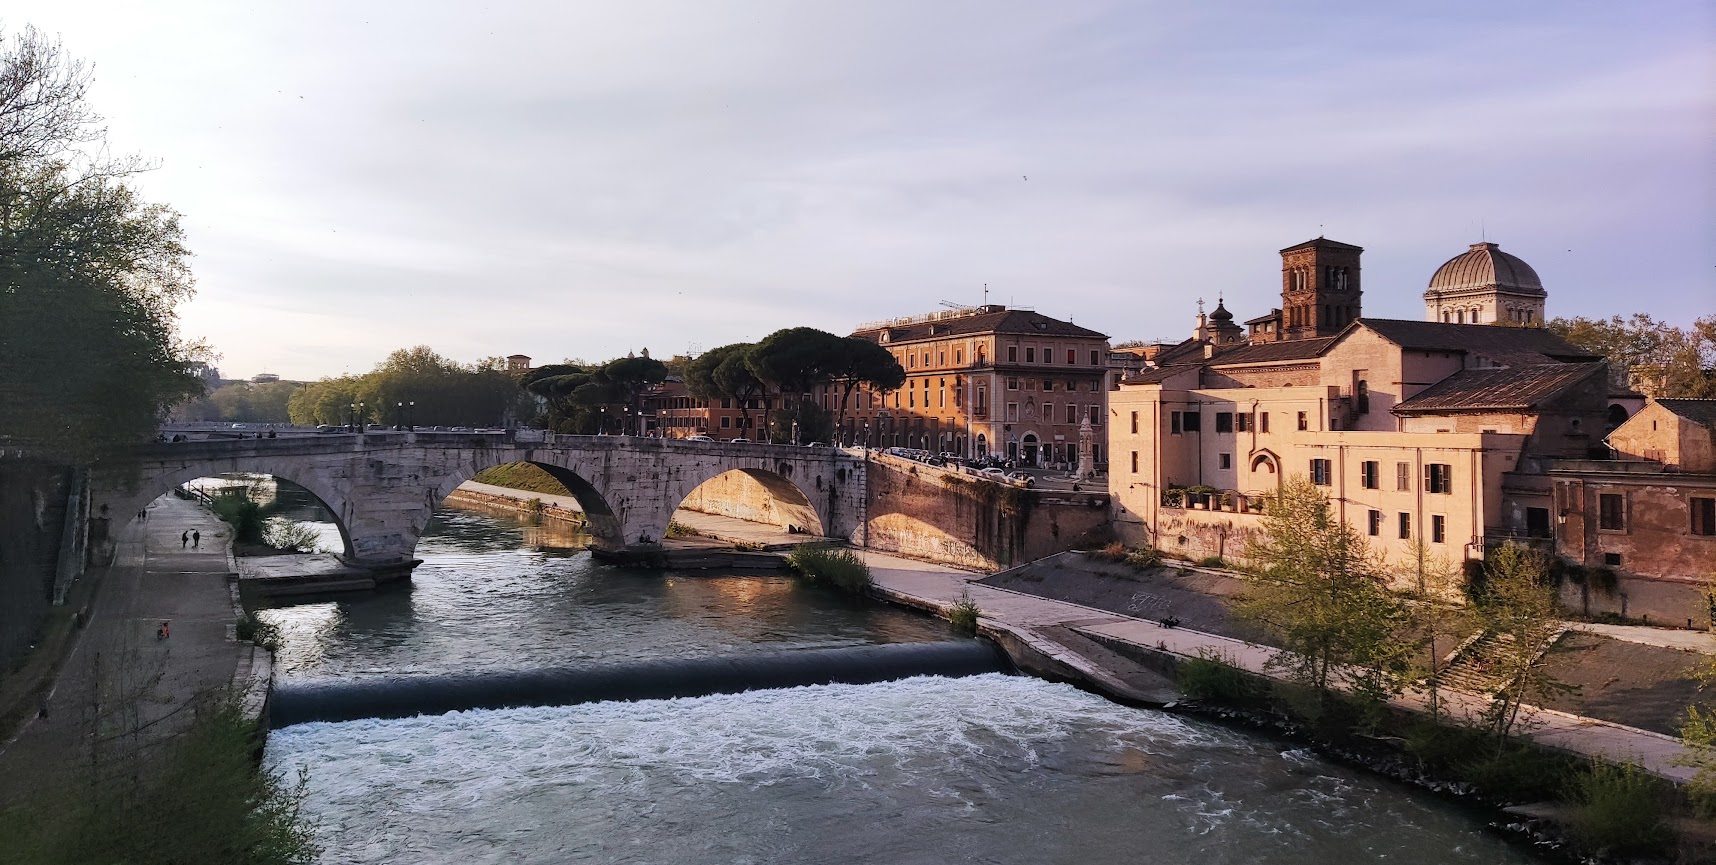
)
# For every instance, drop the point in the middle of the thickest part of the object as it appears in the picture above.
(815, 445)
(698, 439)
(739, 441)
(329, 428)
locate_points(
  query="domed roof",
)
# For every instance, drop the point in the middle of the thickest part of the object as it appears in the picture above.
(1486, 266)
(1221, 313)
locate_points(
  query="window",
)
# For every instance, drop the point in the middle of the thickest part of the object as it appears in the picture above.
(911, 361)
(1224, 422)
(1403, 476)
(1049, 385)
(1263, 422)
(1030, 355)
(726, 403)
(1094, 359)
(726, 422)
(1304, 422)
(1613, 560)
(1048, 355)
(1439, 478)
(1375, 523)
(1135, 462)
(1320, 473)
(1438, 529)
(1012, 384)
(1225, 461)
(1174, 425)
(1363, 397)
(1134, 423)
(958, 356)
(1703, 515)
(1193, 422)
(1537, 522)
(1406, 527)
(1072, 413)
(1371, 471)
(1242, 422)
(1012, 354)
(1612, 512)
(1095, 413)
(1012, 412)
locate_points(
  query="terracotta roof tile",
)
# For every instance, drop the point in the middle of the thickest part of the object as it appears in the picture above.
(1513, 345)
(1499, 388)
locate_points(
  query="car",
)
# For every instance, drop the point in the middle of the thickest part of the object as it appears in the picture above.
(739, 441)
(815, 445)
(241, 426)
(698, 439)
(324, 429)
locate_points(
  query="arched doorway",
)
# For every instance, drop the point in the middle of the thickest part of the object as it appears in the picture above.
(1029, 444)
(982, 445)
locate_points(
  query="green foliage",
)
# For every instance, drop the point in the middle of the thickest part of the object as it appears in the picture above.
(586, 399)
(196, 797)
(834, 566)
(240, 510)
(1213, 562)
(1216, 677)
(445, 393)
(859, 362)
(90, 273)
(263, 633)
(1620, 808)
(1322, 592)
(1668, 361)
(242, 401)
(1140, 559)
(1518, 605)
(284, 534)
(962, 615)
(677, 529)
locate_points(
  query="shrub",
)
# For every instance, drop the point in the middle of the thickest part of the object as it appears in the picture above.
(963, 615)
(677, 529)
(1213, 562)
(1114, 552)
(238, 509)
(840, 568)
(1216, 677)
(284, 534)
(265, 634)
(1619, 809)
(1144, 559)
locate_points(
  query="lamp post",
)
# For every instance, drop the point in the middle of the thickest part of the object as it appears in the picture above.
(602, 420)
(398, 416)
(351, 418)
(411, 415)
(866, 435)
(362, 416)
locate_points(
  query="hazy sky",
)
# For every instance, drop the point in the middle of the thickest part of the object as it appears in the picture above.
(576, 180)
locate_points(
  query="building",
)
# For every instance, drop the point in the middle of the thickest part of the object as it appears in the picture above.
(671, 411)
(517, 363)
(1430, 437)
(1642, 526)
(1484, 285)
(983, 380)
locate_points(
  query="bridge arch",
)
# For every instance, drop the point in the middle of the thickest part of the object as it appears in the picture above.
(758, 495)
(122, 508)
(601, 521)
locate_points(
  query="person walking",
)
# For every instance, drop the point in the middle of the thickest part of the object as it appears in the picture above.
(184, 539)
(196, 539)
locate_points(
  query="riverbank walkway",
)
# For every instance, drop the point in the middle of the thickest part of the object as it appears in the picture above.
(1042, 623)
(117, 659)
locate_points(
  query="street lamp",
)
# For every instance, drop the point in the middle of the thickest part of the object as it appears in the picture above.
(398, 416)
(411, 414)
(361, 417)
(351, 418)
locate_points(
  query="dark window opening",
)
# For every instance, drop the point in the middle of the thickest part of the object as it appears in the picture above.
(1224, 422)
(1612, 512)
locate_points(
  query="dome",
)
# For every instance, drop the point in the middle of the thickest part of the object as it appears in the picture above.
(1221, 313)
(1486, 266)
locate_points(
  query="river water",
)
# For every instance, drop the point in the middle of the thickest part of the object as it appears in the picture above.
(991, 769)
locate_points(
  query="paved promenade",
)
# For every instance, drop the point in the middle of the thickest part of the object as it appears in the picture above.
(117, 654)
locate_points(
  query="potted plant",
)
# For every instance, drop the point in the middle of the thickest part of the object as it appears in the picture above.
(1174, 497)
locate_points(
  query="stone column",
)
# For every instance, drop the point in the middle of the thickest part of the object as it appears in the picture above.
(1086, 463)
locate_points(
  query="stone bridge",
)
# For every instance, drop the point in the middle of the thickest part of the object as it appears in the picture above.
(382, 487)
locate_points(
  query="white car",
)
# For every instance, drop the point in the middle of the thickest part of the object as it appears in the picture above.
(698, 439)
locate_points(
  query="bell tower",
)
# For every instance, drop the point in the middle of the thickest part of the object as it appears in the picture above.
(1320, 290)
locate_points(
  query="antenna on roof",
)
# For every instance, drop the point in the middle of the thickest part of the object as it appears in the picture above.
(985, 294)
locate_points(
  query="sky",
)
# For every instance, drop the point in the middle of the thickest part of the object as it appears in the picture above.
(577, 180)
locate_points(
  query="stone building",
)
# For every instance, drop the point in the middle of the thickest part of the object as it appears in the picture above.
(671, 411)
(1484, 285)
(1431, 438)
(984, 380)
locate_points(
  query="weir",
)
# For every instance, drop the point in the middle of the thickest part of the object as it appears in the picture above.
(347, 699)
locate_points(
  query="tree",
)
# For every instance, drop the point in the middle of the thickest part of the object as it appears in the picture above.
(1323, 593)
(1516, 606)
(725, 373)
(90, 273)
(1670, 361)
(794, 359)
(1435, 621)
(627, 378)
(862, 362)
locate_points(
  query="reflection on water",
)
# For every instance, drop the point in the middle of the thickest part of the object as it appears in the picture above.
(485, 597)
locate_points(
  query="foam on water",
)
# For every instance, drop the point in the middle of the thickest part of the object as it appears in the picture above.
(997, 768)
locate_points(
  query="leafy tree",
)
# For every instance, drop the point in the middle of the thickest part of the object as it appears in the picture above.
(90, 273)
(862, 362)
(1671, 361)
(1517, 607)
(725, 373)
(1436, 622)
(444, 392)
(793, 360)
(628, 377)
(1323, 593)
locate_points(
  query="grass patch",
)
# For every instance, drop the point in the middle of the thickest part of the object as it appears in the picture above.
(194, 797)
(1142, 558)
(677, 529)
(1620, 808)
(840, 568)
(1216, 677)
(1212, 562)
(963, 615)
(522, 476)
(265, 634)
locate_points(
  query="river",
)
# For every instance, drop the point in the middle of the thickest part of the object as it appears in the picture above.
(993, 769)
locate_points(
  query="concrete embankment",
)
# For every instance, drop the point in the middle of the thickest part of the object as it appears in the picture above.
(405, 696)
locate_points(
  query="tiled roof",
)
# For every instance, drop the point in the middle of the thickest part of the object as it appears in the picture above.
(1271, 316)
(1485, 265)
(1499, 388)
(1701, 411)
(1512, 345)
(1159, 374)
(1190, 351)
(1009, 321)
(1270, 352)
(1325, 243)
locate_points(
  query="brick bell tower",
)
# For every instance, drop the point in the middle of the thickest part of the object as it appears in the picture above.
(1320, 290)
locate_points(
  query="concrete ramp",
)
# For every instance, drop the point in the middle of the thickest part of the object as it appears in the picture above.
(351, 699)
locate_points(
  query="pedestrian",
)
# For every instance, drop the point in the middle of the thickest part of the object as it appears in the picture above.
(196, 539)
(184, 539)
(165, 631)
